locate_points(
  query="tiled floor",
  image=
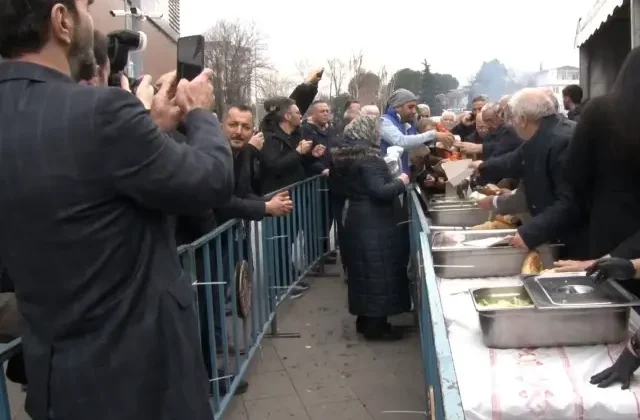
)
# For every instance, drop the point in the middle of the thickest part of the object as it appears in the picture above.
(330, 373)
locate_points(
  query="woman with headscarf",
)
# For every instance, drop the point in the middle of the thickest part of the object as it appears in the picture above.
(375, 233)
(602, 167)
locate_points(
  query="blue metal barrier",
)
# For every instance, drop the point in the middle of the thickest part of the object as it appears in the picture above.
(6, 351)
(241, 272)
(441, 384)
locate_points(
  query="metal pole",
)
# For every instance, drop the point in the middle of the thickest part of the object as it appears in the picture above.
(634, 9)
(136, 56)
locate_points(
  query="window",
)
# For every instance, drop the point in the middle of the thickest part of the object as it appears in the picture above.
(174, 15)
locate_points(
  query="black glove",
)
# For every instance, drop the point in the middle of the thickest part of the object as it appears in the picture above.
(621, 371)
(612, 268)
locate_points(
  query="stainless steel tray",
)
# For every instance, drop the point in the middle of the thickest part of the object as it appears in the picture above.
(559, 291)
(519, 327)
(453, 259)
(464, 215)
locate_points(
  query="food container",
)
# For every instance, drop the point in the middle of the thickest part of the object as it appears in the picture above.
(554, 310)
(456, 212)
(454, 257)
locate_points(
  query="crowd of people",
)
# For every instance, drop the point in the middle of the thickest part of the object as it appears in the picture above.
(101, 185)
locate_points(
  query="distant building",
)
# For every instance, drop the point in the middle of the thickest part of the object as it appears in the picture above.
(456, 100)
(162, 32)
(557, 79)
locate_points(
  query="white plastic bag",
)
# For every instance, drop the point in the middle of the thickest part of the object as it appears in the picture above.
(298, 254)
(392, 158)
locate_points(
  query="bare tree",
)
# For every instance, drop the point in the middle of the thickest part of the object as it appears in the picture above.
(337, 73)
(386, 87)
(236, 53)
(356, 69)
(270, 84)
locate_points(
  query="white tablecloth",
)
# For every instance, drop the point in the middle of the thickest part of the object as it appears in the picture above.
(543, 383)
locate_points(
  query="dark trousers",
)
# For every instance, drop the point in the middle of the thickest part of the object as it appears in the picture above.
(337, 205)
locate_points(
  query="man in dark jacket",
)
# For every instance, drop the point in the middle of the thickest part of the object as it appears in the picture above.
(539, 162)
(317, 129)
(107, 301)
(287, 157)
(466, 126)
(500, 140)
(572, 101)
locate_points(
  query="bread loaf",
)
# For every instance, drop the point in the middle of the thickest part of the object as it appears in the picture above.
(532, 263)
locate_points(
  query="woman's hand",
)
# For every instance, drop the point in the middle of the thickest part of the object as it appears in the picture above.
(622, 370)
(404, 178)
(612, 268)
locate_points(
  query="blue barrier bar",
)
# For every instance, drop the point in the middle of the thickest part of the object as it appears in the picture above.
(6, 351)
(442, 393)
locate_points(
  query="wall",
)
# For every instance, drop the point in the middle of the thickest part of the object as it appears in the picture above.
(602, 55)
(160, 55)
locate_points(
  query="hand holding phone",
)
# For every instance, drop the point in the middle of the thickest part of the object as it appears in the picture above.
(190, 57)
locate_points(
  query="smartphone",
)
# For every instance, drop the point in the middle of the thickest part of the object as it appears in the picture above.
(190, 57)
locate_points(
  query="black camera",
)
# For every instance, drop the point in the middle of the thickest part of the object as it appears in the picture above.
(121, 43)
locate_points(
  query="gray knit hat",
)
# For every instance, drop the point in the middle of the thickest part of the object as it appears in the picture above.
(400, 97)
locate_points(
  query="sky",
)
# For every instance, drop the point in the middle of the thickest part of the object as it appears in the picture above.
(455, 36)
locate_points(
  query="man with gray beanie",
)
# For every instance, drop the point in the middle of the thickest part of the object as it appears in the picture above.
(398, 126)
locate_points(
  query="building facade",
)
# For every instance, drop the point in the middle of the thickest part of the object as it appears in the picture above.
(162, 33)
(557, 79)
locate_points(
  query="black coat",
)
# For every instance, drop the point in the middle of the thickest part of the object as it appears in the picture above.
(539, 162)
(501, 142)
(376, 235)
(605, 187)
(326, 137)
(575, 113)
(110, 329)
(244, 203)
(281, 165)
(463, 131)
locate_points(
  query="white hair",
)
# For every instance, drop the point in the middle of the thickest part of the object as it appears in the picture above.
(488, 106)
(533, 104)
(370, 110)
(423, 107)
(552, 96)
(448, 113)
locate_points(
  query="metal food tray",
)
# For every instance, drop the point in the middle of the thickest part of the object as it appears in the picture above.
(453, 259)
(457, 213)
(600, 319)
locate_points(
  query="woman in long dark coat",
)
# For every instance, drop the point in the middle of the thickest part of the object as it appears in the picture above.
(602, 167)
(375, 232)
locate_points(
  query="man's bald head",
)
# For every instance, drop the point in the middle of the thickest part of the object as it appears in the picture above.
(504, 112)
(490, 117)
(481, 126)
(528, 107)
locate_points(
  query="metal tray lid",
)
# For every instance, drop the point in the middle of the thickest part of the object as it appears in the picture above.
(457, 239)
(576, 291)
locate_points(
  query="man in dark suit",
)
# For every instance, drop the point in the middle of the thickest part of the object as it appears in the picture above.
(539, 163)
(88, 184)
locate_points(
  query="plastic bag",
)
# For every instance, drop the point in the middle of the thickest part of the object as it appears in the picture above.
(298, 253)
(392, 158)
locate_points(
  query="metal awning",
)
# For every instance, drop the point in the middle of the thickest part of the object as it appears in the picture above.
(595, 17)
